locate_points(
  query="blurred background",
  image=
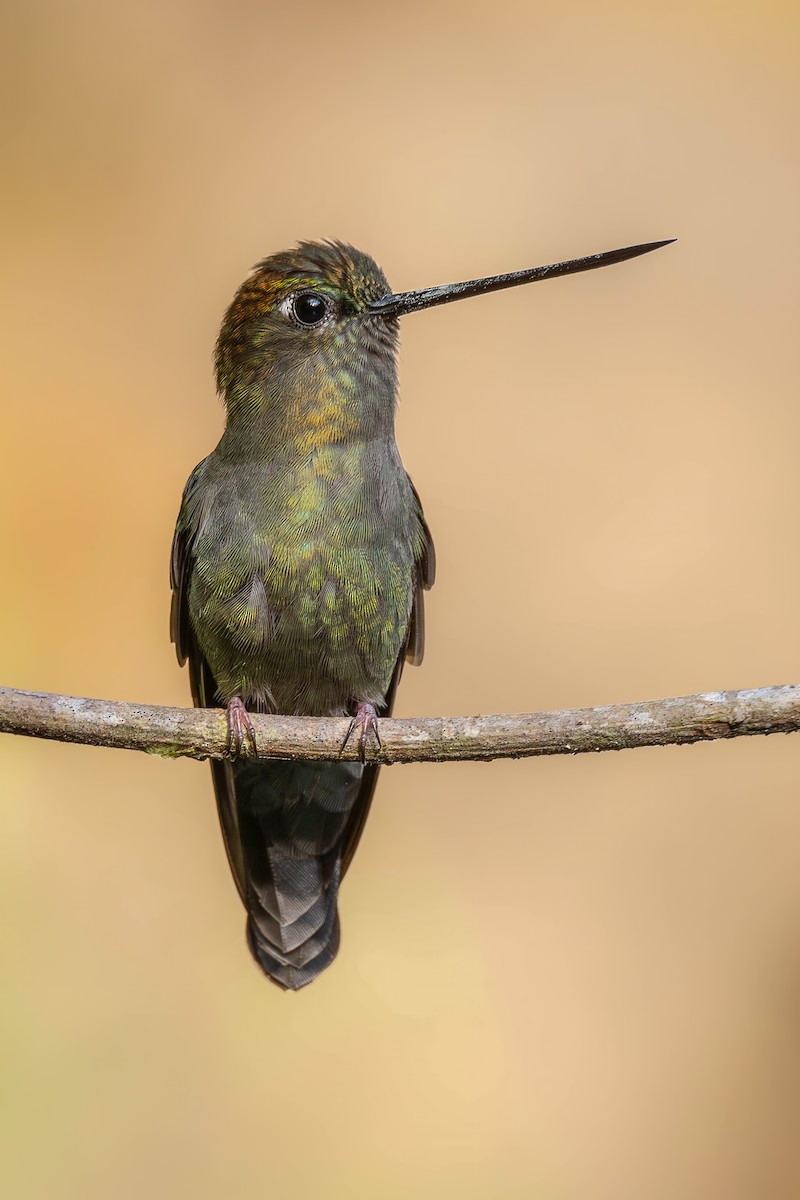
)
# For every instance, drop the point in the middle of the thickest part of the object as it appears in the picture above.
(573, 978)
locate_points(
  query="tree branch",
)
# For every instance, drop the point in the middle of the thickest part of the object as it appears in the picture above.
(201, 733)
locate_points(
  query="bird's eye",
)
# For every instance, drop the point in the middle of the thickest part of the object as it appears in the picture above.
(309, 308)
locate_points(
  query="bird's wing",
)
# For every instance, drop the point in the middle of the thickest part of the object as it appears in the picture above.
(424, 578)
(412, 651)
(201, 681)
(179, 628)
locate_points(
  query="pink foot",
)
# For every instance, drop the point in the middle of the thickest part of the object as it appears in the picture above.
(366, 722)
(240, 728)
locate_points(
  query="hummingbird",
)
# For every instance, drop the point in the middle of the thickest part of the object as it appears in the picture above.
(298, 569)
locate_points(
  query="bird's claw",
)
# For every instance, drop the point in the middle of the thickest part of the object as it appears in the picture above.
(366, 722)
(240, 728)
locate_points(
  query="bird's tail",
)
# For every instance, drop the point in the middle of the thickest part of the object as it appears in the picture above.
(290, 830)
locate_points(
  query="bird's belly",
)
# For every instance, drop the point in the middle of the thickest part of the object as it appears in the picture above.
(312, 629)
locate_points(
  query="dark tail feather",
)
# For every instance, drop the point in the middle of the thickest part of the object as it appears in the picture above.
(295, 953)
(293, 824)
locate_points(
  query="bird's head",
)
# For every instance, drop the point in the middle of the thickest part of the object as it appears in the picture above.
(304, 313)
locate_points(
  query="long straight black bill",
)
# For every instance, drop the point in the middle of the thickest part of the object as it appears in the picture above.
(405, 302)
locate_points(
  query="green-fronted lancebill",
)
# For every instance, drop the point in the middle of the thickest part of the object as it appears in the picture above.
(298, 569)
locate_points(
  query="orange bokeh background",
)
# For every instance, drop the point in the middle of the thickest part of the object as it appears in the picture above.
(574, 978)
